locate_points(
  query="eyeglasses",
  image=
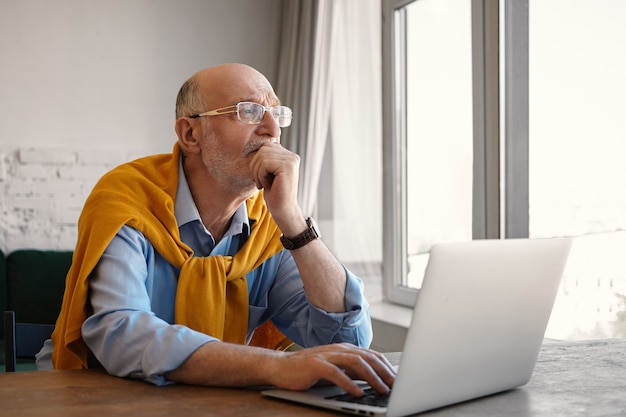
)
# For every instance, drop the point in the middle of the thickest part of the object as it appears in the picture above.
(252, 113)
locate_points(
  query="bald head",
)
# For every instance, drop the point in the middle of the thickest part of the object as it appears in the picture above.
(222, 86)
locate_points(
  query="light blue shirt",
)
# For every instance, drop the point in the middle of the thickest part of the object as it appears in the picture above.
(131, 330)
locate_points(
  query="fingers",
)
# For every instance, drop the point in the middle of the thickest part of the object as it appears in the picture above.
(369, 366)
(271, 161)
(275, 170)
(338, 377)
(342, 364)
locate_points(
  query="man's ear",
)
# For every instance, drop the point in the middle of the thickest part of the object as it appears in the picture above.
(188, 133)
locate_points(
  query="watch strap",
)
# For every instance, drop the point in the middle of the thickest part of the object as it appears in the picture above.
(309, 235)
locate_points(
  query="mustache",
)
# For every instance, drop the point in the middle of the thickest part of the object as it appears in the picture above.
(253, 147)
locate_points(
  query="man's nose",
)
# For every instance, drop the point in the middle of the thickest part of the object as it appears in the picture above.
(269, 126)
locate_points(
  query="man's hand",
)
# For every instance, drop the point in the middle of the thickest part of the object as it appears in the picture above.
(225, 364)
(275, 169)
(340, 364)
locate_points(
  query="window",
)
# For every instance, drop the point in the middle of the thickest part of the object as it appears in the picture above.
(536, 91)
(577, 139)
(433, 142)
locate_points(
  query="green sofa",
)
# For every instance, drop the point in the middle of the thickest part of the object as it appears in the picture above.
(32, 284)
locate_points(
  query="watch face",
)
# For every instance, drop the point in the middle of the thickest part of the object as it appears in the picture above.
(313, 226)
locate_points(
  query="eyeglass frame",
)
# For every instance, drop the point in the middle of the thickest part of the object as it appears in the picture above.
(224, 110)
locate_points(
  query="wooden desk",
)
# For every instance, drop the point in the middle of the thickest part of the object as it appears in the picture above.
(570, 379)
(93, 393)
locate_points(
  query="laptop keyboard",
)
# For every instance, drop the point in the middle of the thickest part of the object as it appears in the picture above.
(370, 397)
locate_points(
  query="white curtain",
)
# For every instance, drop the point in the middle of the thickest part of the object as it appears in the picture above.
(330, 64)
(304, 83)
(356, 128)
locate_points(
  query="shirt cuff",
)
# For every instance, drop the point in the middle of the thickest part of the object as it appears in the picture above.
(354, 325)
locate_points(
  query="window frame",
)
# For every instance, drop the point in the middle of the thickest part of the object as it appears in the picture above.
(394, 165)
(490, 213)
(516, 119)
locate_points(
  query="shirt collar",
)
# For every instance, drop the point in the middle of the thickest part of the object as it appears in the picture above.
(185, 209)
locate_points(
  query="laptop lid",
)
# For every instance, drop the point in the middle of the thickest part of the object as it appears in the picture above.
(477, 325)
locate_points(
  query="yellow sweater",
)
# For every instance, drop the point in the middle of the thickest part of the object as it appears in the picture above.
(212, 293)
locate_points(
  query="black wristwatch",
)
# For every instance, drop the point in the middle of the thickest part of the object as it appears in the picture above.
(309, 235)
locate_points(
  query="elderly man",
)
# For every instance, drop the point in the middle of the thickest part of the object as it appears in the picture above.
(180, 257)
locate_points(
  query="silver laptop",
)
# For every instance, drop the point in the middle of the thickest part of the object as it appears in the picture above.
(476, 330)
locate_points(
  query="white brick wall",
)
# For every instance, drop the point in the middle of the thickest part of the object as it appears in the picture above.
(42, 192)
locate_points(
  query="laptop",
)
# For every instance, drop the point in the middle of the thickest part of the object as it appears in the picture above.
(477, 326)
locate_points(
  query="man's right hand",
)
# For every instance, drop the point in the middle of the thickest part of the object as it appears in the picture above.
(340, 364)
(225, 364)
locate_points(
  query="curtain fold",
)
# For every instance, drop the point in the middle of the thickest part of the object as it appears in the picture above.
(304, 84)
(357, 138)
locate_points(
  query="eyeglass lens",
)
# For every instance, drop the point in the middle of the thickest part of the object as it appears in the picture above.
(252, 113)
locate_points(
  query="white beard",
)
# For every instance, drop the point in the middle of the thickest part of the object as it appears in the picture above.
(229, 173)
